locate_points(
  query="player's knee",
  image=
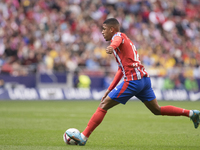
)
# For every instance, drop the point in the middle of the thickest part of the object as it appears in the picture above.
(107, 104)
(103, 105)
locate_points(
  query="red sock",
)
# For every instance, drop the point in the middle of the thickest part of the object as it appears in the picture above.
(94, 121)
(174, 111)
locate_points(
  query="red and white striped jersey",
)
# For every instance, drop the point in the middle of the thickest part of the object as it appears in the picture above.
(127, 57)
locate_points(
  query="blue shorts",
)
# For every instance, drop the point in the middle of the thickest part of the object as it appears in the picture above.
(139, 88)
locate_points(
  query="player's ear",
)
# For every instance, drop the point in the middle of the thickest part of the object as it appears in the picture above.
(112, 29)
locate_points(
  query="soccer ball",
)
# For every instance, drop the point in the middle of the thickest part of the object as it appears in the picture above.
(67, 139)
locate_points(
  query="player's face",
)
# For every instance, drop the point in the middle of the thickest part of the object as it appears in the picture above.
(106, 31)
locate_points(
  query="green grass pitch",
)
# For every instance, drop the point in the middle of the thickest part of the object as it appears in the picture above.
(39, 125)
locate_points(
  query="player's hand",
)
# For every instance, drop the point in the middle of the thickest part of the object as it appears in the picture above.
(109, 50)
(106, 93)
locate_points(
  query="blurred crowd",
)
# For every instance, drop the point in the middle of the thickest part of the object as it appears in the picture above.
(64, 35)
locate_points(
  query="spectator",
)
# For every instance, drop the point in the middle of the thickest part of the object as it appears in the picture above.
(191, 84)
(169, 83)
(2, 84)
(56, 32)
(84, 81)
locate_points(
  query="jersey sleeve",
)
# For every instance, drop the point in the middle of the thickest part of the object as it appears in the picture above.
(117, 40)
(116, 79)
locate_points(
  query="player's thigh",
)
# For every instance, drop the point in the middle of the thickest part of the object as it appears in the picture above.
(108, 103)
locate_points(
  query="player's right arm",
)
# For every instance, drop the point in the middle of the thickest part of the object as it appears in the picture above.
(115, 81)
(109, 50)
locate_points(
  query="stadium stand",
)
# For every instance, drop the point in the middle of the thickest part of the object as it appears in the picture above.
(52, 35)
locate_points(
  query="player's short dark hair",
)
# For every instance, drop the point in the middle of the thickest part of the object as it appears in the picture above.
(111, 21)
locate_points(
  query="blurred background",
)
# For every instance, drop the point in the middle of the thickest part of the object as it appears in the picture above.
(51, 48)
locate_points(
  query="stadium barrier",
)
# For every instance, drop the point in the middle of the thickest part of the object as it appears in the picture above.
(36, 87)
(85, 94)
